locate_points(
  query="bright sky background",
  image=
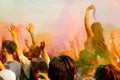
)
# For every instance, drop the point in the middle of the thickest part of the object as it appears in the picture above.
(48, 12)
(61, 18)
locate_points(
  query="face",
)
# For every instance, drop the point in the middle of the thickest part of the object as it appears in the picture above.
(41, 76)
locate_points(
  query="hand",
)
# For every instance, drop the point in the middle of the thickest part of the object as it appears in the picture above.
(12, 30)
(42, 45)
(30, 28)
(90, 7)
(71, 42)
(1, 65)
(3, 38)
(26, 42)
(112, 34)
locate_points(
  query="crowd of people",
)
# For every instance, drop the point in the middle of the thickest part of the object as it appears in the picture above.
(96, 61)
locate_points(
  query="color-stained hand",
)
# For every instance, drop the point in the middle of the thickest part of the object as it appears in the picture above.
(90, 7)
(112, 34)
(30, 28)
(12, 30)
(42, 45)
(26, 42)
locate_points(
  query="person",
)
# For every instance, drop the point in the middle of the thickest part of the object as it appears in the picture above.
(114, 48)
(62, 68)
(86, 65)
(107, 72)
(95, 42)
(6, 74)
(39, 70)
(35, 49)
(9, 47)
(26, 63)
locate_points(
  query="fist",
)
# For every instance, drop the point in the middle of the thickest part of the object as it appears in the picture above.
(91, 7)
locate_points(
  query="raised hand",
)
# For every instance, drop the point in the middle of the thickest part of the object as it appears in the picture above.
(42, 45)
(12, 30)
(26, 43)
(112, 34)
(30, 28)
(91, 7)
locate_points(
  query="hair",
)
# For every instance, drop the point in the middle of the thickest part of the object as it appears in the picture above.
(86, 62)
(37, 65)
(84, 57)
(107, 72)
(9, 45)
(1, 78)
(35, 51)
(98, 40)
(62, 68)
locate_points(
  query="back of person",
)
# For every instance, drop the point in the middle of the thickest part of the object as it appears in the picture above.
(86, 64)
(13, 66)
(107, 72)
(9, 48)
(62, 68)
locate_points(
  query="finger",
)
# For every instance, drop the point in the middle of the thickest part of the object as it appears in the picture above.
(27, 28)
(9, 30)
(12, 27)
(30, 24)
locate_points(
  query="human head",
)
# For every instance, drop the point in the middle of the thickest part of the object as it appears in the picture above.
(62, 68)
(98, 32)
(10, 46)
(98, 41)
(34, 51)
(39, 70)
(107, 72)
(97, 29)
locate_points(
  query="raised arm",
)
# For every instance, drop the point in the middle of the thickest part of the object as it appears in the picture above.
(46, 57)
(45, 54)
(26, 43)
(14, 34)
(1, 65)
(115, 55)
(30, 29)
(21, 56)
(86, 20)
(115, 44)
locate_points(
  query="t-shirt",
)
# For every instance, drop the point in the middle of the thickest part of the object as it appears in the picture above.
(14, 66)
(7, 75)
(26, 63)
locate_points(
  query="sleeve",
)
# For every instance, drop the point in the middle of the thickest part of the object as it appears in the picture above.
(23, 59)
(26, 65)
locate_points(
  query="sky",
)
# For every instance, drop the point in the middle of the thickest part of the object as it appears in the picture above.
(57, 20)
